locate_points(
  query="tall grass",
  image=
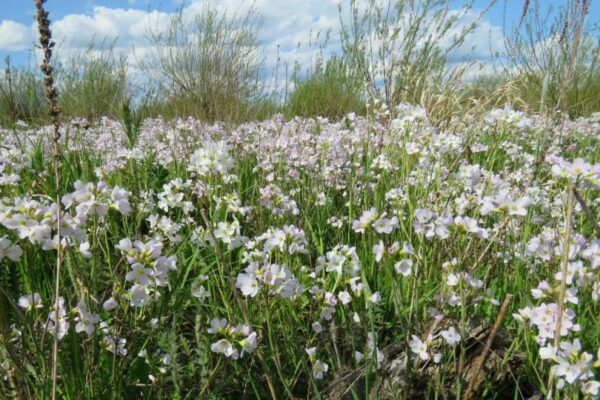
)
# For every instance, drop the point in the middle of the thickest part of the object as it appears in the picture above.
(396, 45)
(21, 95)
(553, 58)
(332, 90)
(93, 82)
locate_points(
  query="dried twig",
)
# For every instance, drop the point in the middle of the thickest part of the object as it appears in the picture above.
(587, 211)
(486, 350)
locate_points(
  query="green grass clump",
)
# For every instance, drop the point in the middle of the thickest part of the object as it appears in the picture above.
(331, 91)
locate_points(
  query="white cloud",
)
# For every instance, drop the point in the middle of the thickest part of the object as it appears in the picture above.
(286, 23)
(126, 27)
(15, 36)
(485, 39)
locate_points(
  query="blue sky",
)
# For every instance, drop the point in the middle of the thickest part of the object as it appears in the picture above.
(286, 23)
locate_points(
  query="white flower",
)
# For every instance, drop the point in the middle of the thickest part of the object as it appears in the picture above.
(327, 313)
(225, 347)
(519, 206)
(84, 250)
(211, 158)
(404, 267)
(199, 291)
(547, 352)
(217, 325)
(344, 297)
(124, 245)
(317, 327)
(110, 304)
(116, 345)
(120, 200)
(249, 344)
(166, 359)
(365, 220)
(378, 250)
(319, 368)
(11, 251)
(139, 295)
(418, 347)
(247, 284)
(30, 302)
(591, 388)
(385, 225)
(58, 327)
(139, 274)
(86, 321)
(451, 336)
(375, 298)
(452, 280)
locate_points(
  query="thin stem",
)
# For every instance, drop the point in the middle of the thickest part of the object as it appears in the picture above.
(563, 281)
(46, 44)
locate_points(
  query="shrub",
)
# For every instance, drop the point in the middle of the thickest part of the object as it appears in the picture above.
(207, 65)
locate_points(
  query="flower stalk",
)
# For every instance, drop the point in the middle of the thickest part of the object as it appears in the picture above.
(47, 44)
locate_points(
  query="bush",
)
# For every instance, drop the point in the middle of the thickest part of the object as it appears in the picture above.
(207, 66)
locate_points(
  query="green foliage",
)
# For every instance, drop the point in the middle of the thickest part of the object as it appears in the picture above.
(211, 66)
(21, 95)
(131, 120)
(332, 91)
(92, 82)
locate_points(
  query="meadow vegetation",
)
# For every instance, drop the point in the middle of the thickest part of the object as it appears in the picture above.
(383, 229)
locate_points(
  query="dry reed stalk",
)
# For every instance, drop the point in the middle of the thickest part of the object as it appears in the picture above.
(486, 350)
(46, 45)
(563, 281)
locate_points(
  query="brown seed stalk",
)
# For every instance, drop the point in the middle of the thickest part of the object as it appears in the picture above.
(46, 45)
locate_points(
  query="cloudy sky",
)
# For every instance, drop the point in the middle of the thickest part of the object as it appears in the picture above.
(287, 23)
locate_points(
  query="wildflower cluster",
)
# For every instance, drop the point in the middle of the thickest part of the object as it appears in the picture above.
(149, 269)
(305, 255)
